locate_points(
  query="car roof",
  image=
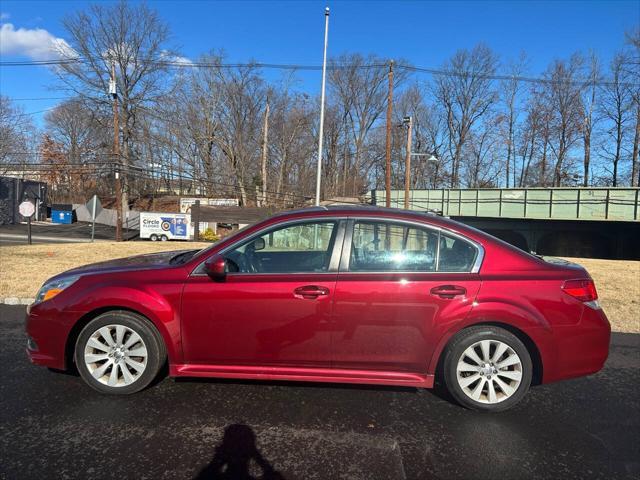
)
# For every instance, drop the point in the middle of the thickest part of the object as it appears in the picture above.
(373, 210)
(347, 209)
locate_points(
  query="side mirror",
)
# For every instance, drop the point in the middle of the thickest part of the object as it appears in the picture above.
(258, 244)
(216, 268)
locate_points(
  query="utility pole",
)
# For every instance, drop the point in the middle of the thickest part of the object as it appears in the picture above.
(407, 162)
(265, 138)
(321, 132)
(387, 178)
(116, 152)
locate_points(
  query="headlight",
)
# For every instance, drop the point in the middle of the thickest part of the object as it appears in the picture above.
(51, 288)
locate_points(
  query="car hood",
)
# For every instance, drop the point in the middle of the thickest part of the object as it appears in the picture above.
(138, 262)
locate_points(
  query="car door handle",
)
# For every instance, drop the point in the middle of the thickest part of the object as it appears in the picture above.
(448, 291)
(310, 291)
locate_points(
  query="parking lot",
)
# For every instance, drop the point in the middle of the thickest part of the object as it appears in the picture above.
(53, 426)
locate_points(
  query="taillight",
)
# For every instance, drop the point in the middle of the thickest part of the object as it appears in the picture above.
(583, 290)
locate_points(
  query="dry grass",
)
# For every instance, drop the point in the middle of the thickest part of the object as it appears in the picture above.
(24, 268)
(618, 284)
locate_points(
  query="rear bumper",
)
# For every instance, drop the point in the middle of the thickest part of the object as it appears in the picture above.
(580, 349)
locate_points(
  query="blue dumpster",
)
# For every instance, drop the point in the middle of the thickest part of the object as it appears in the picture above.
(61, 216)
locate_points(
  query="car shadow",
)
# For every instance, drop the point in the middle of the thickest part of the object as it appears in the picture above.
(233, 458)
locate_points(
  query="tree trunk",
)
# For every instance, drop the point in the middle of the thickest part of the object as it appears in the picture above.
(587, 156)
(635, 167)
(510, 146)
(265, 138)
(543, 165)
(616, 159)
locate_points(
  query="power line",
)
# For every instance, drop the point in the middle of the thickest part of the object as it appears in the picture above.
(140, 173)
(330, 66)
(38, 98)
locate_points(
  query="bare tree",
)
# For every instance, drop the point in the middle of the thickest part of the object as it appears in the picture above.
(632, 70)
(428, 138)
(562, 93)
(615, 108)
(530, 138)
(243, 97)
(130, 37)
(466, 93)
(79, 129)
(17, 132)
(588, 107)
(510, 90)
(362, 92)
(480, 169)
(292, 145)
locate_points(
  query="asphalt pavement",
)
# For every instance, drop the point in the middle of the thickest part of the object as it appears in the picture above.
(53, 426)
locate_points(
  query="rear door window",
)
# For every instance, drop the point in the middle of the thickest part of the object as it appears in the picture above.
(391, 247)
(456, 254)
(396, 247)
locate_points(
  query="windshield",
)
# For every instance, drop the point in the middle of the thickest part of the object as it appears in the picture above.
(194, 253)
(183, 257)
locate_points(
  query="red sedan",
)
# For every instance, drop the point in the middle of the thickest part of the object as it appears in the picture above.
(338, 294)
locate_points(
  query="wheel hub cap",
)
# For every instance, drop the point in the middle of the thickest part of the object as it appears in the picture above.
(489, 371)
(115, 355)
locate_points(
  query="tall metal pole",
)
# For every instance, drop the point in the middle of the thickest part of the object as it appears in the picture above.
(407, 166)
(116, 154)
(93, 217)
(324, 75)
(387, 179)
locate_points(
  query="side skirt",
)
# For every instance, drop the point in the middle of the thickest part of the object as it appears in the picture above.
(326, 375)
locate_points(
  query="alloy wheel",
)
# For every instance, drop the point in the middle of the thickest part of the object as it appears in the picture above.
(115, 355)
(489, 371)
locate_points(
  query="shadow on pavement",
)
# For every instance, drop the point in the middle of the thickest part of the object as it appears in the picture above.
(233, 457)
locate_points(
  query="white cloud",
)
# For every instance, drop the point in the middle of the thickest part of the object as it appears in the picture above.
(166, 56)
(36, 43)
(182, 60)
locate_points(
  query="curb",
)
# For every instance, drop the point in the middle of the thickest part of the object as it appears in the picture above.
(16, 301)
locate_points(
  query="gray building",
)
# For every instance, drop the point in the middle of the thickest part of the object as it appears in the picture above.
(14, 191)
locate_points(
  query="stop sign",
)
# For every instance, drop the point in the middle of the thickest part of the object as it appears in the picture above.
(26, 208)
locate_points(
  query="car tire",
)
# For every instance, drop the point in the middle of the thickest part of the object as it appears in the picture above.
(164, 238)
(119, 353)
(487, 368)
(153, 237)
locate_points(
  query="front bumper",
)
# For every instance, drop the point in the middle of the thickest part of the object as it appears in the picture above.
(47, 330)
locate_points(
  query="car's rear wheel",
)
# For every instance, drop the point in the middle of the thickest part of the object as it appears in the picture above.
(119, 353)
(487, 368)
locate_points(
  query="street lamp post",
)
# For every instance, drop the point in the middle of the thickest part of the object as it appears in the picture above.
(321, 132)
(408, 121)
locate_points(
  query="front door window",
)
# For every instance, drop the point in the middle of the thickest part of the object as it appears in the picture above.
(297, 248)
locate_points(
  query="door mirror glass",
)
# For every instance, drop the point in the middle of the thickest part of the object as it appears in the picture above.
(258, 244)
(216, 268)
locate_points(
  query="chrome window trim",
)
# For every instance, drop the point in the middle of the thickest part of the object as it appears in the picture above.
(346, 249)
(335, 254)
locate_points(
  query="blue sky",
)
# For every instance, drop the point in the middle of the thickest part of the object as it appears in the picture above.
(425, 33)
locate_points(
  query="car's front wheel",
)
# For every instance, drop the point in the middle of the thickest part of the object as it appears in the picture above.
(487, 368)
(119, 353)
